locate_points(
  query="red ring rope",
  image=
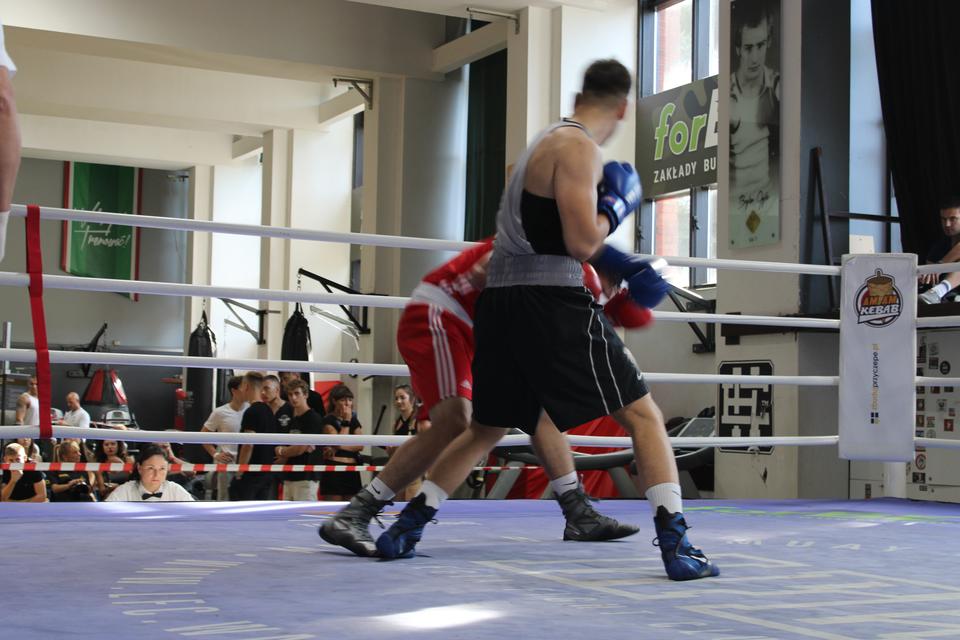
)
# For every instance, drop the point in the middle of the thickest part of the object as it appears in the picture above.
(35, 271)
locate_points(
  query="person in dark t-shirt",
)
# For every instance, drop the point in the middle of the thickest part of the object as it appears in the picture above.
(21, 486)
(301, 485)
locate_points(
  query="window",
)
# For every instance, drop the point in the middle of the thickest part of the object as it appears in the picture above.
(679, 44)
(674, 45)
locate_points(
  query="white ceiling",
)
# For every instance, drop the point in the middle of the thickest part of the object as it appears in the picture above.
(459, 8)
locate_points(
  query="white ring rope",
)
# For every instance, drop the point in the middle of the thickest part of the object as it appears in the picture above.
(936, 443)
(108, 285)
(354, 368)
(938, 268)
(370, 239)
(206, 437)
(939, 321)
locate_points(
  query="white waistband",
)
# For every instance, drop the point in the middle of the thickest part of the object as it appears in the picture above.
(427, 293)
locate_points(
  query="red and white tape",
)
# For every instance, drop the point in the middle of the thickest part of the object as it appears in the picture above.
(243, 468)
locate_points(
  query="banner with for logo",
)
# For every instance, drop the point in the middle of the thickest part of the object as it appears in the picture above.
(878, 345)
(101, 250)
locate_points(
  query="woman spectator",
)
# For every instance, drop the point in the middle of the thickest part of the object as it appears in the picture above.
(340, 419)
(149, 480)
(408, 423)
(21, 486)
(113, 452)
(31, 449)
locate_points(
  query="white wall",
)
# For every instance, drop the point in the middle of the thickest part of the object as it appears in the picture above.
(321, 193)
(155, 322)
(235, 260)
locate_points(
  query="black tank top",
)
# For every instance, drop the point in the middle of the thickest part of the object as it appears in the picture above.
(541, 224)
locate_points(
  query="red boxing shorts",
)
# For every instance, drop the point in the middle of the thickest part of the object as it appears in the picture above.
(438, 348)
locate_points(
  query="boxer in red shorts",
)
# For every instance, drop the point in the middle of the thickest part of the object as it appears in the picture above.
(435, 338)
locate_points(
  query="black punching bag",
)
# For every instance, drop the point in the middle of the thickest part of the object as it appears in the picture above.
(296, 339)
(199, 386)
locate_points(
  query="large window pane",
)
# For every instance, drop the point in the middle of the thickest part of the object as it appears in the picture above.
(674, 45)
(671, 220)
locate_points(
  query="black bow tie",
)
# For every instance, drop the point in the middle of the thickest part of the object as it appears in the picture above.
(145, 496)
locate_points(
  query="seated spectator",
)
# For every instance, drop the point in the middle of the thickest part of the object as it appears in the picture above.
(76, 416)
(21, 486)
(111, 452)
(226, 419)
(944, 251)
(71, 486)
(300, 485)
(341, 485)
(31, 449)
(149, 483)
(186, 479)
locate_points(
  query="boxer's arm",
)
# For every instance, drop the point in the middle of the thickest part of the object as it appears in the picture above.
(9, 142)
(578, 170)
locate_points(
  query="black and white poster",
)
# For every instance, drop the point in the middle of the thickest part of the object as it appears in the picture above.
(745, 410)
(754, 123)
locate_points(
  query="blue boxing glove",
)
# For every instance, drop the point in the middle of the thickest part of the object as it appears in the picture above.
(647, 288)
(642, 275)
(619, 192)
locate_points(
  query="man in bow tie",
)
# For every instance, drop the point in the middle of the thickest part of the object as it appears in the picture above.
(149, 481)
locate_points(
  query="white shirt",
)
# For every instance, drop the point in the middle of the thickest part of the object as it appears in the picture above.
(225, 420)
(31, 415)
(5, 60)
(78, 418)
(133, 492)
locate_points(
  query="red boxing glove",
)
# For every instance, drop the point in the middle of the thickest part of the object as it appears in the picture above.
(622, 311)
(591, 280)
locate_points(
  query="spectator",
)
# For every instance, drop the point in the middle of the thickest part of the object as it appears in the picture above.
(341, 485)
(944, 251)
(149, 480)
(186, 479)
(314, 399)
(226, 419)
(9, 139)
(408, 423)
(76, 416)
(71, 486)
(31, 449)
(300, 485)
(263, 395)
(21, 486)
(111, 452)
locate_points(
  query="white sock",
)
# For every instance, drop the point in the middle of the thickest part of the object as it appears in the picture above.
(380, 490)
(4, 216)
(434, 494)
(942, 289)
(666, 494)
(565, 483)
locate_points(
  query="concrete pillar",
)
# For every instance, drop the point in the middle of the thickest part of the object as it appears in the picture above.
(275, 253)
(199, 245)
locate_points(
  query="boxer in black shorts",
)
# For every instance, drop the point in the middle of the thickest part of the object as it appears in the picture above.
(540, 334)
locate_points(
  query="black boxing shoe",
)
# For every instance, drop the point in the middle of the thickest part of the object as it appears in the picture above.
(585, 524)
(350, 527)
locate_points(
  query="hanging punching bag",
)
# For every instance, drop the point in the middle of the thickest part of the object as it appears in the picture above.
(199, 384)
(296, 339)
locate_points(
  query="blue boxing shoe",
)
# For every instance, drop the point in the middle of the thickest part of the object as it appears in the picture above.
(681, 559)
(400, 540)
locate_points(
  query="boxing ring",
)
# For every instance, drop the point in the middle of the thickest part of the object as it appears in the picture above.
(790, 569)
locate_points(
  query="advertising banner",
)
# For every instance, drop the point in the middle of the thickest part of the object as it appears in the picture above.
(754, 123)
(878, 346)
(101, 250)
(677, 138)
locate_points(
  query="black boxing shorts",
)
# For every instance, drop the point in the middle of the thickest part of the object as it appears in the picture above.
(551, 348)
